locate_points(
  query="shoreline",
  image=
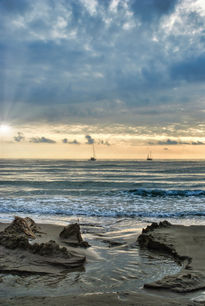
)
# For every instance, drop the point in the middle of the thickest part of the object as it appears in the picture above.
(154, 294)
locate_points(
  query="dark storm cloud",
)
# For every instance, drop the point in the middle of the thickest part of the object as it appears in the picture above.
(41, 140)
(190, 70)
(153, 9)
(20, 137)
(89, 139)
(75, 60)
(13, 6)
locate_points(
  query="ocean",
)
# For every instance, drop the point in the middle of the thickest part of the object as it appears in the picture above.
(112, 201)
(53, 190)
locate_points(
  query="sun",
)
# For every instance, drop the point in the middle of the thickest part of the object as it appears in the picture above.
(4, 128)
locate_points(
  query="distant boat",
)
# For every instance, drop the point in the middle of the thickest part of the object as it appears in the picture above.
(149, 156)
(93, 158)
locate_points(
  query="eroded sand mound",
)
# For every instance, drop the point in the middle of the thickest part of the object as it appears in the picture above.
(22, 256)
(22, 226)
(72, 236)
(186, 244)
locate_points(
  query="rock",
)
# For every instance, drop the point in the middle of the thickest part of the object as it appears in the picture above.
(73, 236)
(50, 248)
(158, 242)
(150, 242)
(186, 246)
(23, 227)
(12, 241)
(182, 282)
(155, 225)
(38, 258)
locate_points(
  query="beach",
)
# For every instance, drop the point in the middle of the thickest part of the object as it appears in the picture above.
(102, 152)
(183, 244)
(110, 202)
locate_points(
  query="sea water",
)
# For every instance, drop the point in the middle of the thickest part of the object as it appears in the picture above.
(109, 199)
(55, 189)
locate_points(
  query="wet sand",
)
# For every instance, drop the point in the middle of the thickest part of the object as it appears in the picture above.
(186, 244)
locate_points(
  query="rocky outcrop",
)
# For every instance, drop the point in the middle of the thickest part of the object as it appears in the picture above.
(71, 235)
(12, 241)
(186, 281)
(152, 241)
(22, 226)
(182, 243)
(50, 248)
(25, 257)
(156, 225)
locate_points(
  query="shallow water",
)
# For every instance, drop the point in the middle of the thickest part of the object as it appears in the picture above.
(123, 267)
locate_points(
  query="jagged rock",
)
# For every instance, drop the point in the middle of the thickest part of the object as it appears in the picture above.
(12, 241)
(182, 282)
(38, 257)
(50, 248)
(159, 243)
(186, 246)
(155, 225)
(73, 236)
(22, 226)
(72, 232)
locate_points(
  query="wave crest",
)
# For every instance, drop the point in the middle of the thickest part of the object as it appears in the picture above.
(164, 193)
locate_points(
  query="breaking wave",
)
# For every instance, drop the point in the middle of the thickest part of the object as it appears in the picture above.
(164, 193)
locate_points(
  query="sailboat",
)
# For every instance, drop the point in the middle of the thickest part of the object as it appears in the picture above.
(149, 156)
(93, 158)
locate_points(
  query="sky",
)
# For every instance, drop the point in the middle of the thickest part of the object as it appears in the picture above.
(126, 75)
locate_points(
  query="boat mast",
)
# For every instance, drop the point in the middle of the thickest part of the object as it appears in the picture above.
(93, 150)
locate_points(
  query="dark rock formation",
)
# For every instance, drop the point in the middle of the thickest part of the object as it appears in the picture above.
(12, 241)
(181, 283)
(177, 240)
(155, 225)
(159, 243)
(73, 236)
(50, 248)
(22, 226)
(23, 256)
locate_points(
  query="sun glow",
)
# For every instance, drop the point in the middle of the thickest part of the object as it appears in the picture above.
(4, 128)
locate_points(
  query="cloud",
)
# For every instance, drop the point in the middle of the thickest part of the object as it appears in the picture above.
(168, 142)
(65, 140)
(90, 140)
(74, 142)
(148, 54)
(103, 142)
(198, 143)
(41, 140)
(191, 69)
(148, 10)
(175, 142)
(20, 137)
(12, 6)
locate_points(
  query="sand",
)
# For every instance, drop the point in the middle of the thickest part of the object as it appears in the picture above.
(186, 244)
